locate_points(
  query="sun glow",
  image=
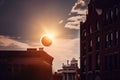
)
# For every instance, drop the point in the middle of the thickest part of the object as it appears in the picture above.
(47, 39)
(50, 35)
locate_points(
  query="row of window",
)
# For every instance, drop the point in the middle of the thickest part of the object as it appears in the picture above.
(97, 44)
(112, 62)
(91, 30)
(111, 15)
(111, 39)
(97, 65)
(97, 27)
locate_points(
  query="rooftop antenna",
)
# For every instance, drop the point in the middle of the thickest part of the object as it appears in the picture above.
(67, 62)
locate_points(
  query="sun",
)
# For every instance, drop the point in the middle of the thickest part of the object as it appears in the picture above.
(47, 39)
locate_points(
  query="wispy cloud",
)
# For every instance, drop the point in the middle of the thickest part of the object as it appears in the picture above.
(77, 14)
(74, 22)
(79, 7)
(61, 21)
(9, 43)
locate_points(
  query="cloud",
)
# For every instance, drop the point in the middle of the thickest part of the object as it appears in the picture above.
(79, 5)
(9, 43)
(74, 22)
(61, 21)
(77, 14)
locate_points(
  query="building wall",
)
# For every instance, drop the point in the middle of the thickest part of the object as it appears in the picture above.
(25, 65)
(100, 41)
(69, 71)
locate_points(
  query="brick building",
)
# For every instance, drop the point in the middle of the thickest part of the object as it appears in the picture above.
(100, 41)
(32, 64)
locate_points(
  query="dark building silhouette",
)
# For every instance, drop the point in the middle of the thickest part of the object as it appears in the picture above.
(32, 64)
(57, 76)
(100, 41)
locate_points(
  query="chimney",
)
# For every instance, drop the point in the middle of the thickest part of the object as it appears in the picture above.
(41, 49)
(67, 62)
(31, 49)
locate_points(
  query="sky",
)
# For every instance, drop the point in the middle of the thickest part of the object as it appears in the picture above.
(23, 22)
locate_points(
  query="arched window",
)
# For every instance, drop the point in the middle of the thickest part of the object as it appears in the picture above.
(110, 39)
(115, 35)
(91, 43)
(97, 43)
(90, 29)
(84, 33)
(90, 46)
(111, 14)
(97, 25)
(98, 39)
(106, 40)
(84, 62)
(89, 62)
(97, 61)
(107, 16)
(111, 36)
(116, 11)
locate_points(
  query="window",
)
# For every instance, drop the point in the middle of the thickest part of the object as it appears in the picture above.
(110, 40)
(115, 61)
(116, 11)
(107, 16)
(83, 76)
(84, 50)
(97, 61)
(90, 77)
(108, 62)
(106, 40)
(90, 62)
(115, 38)
(84, 64)
(98, 43)
(91, 43)
(111, 36)
(84, 33)
(90, 29)
(97, 26)
(90, 46)
(111, 14)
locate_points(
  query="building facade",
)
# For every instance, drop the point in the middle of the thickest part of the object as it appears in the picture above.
(69, 71)
(100, 41)
(32, 64)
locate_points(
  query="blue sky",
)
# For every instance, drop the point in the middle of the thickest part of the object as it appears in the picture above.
(23, 22)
